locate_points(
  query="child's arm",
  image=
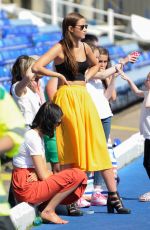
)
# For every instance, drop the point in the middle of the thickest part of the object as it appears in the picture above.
(103, 74)
(130, 58)
(20, 88)
(110, 92)
(134, 88)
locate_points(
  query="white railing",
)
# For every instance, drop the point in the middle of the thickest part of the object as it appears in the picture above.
(109, 14)
(110, 28)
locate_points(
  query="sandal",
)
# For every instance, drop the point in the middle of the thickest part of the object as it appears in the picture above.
(74, 210)
(145, 197)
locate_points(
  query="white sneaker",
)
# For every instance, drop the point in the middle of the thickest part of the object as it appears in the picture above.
(98, 199)
(82, 203)
(145, 197)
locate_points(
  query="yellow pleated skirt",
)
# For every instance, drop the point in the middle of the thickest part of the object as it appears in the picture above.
(80, 137)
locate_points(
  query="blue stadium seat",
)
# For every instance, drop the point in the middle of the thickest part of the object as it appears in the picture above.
(4, 73)
(40, 50)
(49, 28)
(28, 51)
(130, 47)
(6, 84)
(146, 58)
(1, 59)
(1, 43)
(27, 29)
(18, 22)
(3, 14)
(16, 42)
(5, 21)
(4, 30)
(9, 56)
(49, 38)
(20, 30)
(116, 51)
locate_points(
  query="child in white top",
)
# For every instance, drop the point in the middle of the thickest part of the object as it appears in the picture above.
(102, 90)
(144, 123)
(26, 89)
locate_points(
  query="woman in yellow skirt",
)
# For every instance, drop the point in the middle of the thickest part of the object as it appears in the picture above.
(80, 137)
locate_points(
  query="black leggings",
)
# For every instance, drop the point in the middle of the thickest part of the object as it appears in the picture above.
(146, 161)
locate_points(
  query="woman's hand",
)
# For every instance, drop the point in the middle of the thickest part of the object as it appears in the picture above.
(50, 173)
(32, 177)
(63, 79)
(56, 167)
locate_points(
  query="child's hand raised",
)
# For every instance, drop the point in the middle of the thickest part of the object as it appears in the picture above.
(120, 72)
(29, 74)
(133, 56)
(123, 75)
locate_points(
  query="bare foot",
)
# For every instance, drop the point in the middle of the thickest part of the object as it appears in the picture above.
(52, 217)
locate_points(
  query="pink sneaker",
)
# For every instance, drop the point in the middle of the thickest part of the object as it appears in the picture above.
(82, 203)
(98, 199)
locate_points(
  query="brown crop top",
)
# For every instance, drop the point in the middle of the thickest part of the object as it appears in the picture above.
(80, 76)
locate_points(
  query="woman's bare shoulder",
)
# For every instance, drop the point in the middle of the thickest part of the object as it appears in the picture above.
(87, 47)
(57, 46)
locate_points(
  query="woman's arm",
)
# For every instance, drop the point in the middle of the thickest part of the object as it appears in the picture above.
(52, 54)
(94, 66)
(34, 146)
(41, 167)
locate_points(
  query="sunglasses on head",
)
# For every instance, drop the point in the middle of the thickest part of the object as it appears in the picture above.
(82, 26)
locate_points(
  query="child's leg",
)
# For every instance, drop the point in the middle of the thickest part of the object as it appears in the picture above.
(98, 180)
(146, 161)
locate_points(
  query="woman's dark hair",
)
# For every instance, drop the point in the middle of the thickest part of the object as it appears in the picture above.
(20, 67)
(104, 51)
(67, 41)
(47, 118)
